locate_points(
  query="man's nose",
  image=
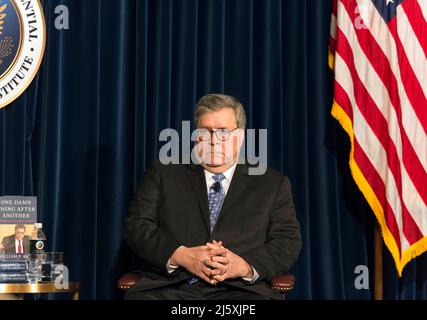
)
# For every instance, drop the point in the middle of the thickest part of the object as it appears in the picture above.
(214, 139)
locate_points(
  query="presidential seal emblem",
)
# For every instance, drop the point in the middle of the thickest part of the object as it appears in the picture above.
(22, 43)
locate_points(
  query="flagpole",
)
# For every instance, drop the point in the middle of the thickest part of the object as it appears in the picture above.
(378, 263)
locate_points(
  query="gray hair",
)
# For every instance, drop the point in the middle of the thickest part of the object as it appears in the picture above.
(20, 226)
(216, 101)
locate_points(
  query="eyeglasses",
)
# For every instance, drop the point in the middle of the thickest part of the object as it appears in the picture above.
(222, 134)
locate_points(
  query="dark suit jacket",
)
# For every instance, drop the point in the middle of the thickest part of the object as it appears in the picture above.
(257, 222)
(9, 244)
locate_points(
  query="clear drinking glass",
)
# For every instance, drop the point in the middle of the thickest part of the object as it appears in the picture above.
(35, 261)
(56, 261)
(45, 266)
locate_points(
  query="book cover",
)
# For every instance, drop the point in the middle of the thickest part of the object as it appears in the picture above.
(17, 217)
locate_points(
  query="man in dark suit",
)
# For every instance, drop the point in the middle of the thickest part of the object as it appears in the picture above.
(16, 243)
(214, 230)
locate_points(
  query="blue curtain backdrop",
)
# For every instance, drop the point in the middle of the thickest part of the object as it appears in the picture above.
(82, 134)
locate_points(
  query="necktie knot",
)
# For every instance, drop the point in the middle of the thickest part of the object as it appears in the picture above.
(218, 177)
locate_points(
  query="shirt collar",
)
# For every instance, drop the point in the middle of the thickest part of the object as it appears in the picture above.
(228, 174)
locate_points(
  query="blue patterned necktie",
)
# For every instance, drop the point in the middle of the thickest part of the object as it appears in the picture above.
(216, 197)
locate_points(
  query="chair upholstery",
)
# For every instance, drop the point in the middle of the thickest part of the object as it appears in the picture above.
(127, 280)
(283, 283)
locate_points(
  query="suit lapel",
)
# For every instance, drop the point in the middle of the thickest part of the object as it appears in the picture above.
(198, 183)
(237, 187)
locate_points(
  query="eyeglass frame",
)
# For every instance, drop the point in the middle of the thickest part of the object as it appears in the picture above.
(215, 131)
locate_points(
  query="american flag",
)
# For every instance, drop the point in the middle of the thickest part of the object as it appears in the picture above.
(378, 51)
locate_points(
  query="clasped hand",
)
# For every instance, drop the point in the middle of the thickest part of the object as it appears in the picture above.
(212, 262)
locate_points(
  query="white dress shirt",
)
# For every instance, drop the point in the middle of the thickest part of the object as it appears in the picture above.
(228, 174)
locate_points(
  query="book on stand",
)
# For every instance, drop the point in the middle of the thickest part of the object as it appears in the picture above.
(17, 217)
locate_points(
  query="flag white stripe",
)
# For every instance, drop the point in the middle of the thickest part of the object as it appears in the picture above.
(413, 49)
(369, 143)
(379, 93)
(411, 124)
(423, 5)
(377, 156)
(371, 80)
(414, 202)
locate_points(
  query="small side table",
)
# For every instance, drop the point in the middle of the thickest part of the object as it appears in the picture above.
(43, 287)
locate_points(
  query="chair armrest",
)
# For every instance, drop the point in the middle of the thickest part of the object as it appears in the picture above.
(128, 280)
(283, 283)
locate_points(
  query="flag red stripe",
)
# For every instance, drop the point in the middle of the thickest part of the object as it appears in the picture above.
(379, 126)
(378, 60)
(369, 172)
(371, 175)
(334, 7)
(410, 82)
(418, 23)
(381, 65)
(332, 45)
(419, 104)
(341, 97)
